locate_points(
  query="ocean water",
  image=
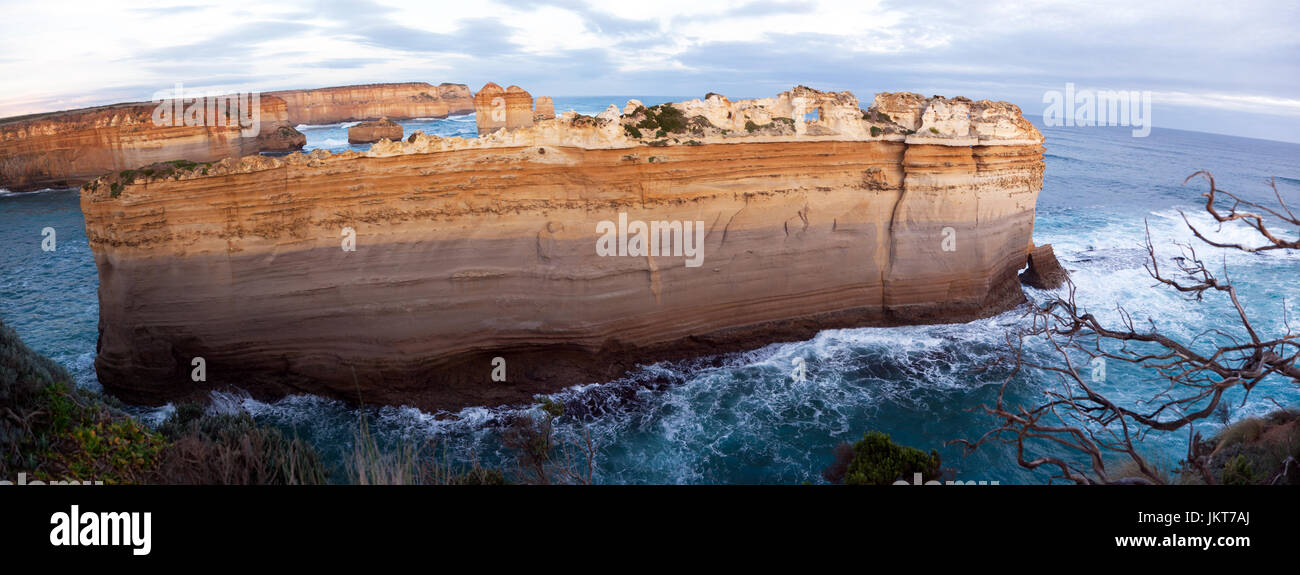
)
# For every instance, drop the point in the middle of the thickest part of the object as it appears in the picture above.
(741, 418)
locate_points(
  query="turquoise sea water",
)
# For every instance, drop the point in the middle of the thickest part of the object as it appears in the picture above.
(743, 419)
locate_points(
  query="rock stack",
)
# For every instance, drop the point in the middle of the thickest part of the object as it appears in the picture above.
(510, 108)
(1044, 272)
(371, 132)
(545, 109)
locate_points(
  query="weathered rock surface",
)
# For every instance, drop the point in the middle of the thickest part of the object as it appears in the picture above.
(1044, 272)
(472, 252)
(509, 109)
(490, 108)
(545, 109)
(68, 148)
(371, 132)
(374, 101)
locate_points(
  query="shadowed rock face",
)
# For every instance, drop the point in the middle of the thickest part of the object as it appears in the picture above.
(69, 148)
(374, 101)
(1044, 272)
(471, 250)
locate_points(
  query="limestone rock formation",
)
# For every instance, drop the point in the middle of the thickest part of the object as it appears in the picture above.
(407, 273)
(1044, 272)
(490, 108)
(545, 109)
(72, 147)
(511, 109)
(374, 101)
(371, 132)
(519, 108)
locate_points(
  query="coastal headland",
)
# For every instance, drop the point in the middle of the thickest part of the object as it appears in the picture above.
(556, 250)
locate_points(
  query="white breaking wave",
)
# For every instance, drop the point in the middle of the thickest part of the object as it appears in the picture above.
(312, 127)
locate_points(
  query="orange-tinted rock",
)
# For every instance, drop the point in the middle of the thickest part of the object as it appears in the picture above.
(374, 101)
(490, 108)
(519, 108)
(468, 250)
(69, 148)
(544, 109)
(371, 132)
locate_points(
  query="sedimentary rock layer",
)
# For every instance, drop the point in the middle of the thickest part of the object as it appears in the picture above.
(374, 101)
(69, 148)
(412, 272)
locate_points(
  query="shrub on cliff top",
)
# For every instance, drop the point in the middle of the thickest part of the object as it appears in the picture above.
(877, 460)
(663, 119)
(1258, 450)
(54, 431)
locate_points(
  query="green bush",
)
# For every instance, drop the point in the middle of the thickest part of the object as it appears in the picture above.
(877, 460)
(55, 431)
(1239, 471)
(663, 119)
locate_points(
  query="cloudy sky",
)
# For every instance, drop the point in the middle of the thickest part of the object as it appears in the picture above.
(1220, 67)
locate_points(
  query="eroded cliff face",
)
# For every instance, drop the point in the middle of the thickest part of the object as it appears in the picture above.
(410, 273)
(69, 148)
(374, 101)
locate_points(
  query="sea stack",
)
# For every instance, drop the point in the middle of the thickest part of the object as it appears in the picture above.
(371, 132)
(1044, 272)
(544, 110)
(447, 272)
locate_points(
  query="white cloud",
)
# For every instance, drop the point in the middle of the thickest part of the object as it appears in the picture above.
(1210, 56)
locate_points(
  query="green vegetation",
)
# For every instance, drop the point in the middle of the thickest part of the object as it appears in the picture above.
(54, 431)
(1239, 471)
(875, 132)
(632, 131)
(1256, 450)
(776, 126)
(934, 130)
(233, 449)
(874, 116)
(662, 120)
(877, 460)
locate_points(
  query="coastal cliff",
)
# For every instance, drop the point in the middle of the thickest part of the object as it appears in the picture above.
(375, 101)
(62, 149)
(445, 272)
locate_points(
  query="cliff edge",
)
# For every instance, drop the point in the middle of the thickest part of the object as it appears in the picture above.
(446, 272)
